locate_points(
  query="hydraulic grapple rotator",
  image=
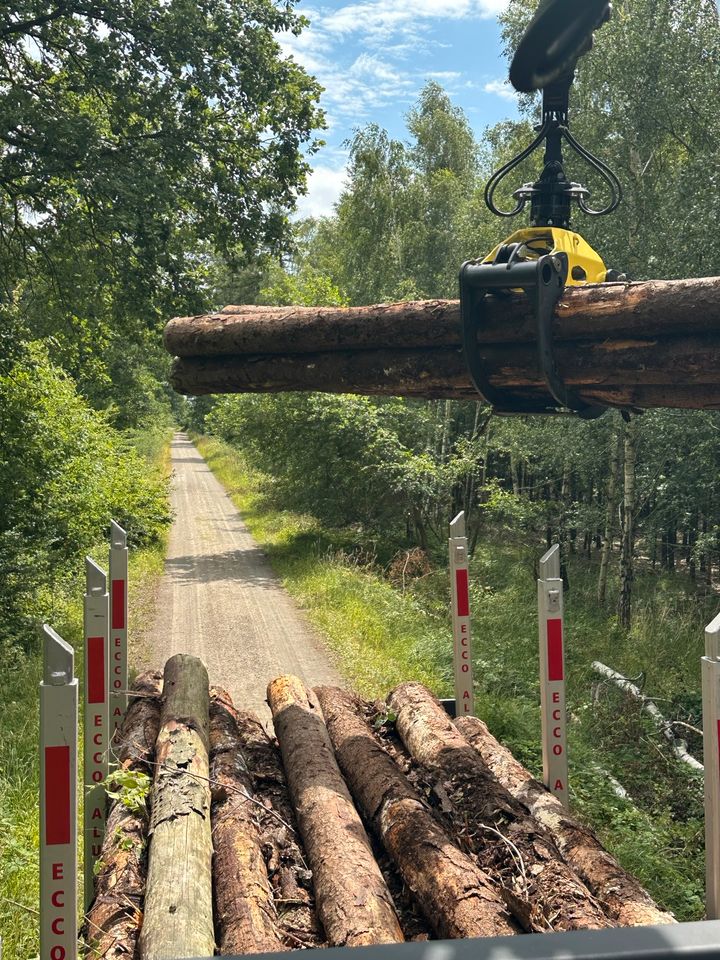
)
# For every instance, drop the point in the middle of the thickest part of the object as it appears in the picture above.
(545, 257)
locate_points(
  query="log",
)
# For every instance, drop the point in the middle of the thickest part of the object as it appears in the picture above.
(597, 311)
(457, 898)
(113, 922)
(178, 905)
(624, 899)
(680, 372)
(663, 726)
(285, 860)
(645, 345)
(353, 902)
(543, 892)
(245, 915)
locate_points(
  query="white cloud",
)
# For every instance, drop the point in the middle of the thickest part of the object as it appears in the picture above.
(381, 34)
(385, 17)
(325, 184)
(500, 87)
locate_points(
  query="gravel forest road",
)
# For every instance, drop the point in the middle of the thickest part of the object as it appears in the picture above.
(220, 600)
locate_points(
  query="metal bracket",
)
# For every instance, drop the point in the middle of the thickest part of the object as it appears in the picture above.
(543, 281)
(58, 658)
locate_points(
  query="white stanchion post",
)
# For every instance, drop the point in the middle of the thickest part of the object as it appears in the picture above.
(58, 800)
(97, 696)
(462, 643)
(711, 760)
(118, 625)
(552, 675)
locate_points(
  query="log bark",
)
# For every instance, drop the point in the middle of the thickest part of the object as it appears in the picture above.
(245, 915)
(178, 905)
(113, 922)
(458, 899)
(285, 859)
(353, 902)
(543, 892)
(678, 372)
(598, 311)
(625, 900)
(649, 344)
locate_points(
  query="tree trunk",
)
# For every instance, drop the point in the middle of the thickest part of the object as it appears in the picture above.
(610, 510)
(627, 545)
(670, 543)
(178, 905)
(457, 898)
(113, 922)
(353, 902)
(625, 900)
(245, 914)
(540, 889)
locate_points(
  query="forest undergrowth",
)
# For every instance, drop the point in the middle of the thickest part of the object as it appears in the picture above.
(383, 630)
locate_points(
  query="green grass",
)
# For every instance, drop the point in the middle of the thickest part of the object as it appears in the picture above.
(19, 734)
(380, 635)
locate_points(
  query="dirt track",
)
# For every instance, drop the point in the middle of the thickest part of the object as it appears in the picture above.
(219, 598)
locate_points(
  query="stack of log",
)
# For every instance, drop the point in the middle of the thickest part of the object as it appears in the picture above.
(361, 824)
(642, 345)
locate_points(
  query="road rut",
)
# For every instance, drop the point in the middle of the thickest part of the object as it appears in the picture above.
(220, 600)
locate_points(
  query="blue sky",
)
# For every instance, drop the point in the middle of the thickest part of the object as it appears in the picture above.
(374, 56)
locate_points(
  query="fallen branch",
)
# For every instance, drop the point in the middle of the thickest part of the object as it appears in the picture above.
(623, 897)
(457, 898)
(664, 727)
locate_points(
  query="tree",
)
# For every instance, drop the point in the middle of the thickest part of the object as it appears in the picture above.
(137, 136)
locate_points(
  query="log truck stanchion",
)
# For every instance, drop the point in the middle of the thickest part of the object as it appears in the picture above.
(118, 625)
(462, 643)
(552, 675)
(711, 750)
(96, 717)
(58, 800)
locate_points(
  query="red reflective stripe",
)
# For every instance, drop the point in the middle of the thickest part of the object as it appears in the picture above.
(57, 795)
(96, 669)
(463, 598)
(555, 650)
(117, 603)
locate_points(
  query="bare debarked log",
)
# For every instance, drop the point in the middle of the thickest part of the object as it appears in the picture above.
(649, 344)
(621, 894)
(178, 905)
(245, 915)
(542, 891)
(113, 922)
(458, 899)
(353, 902)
